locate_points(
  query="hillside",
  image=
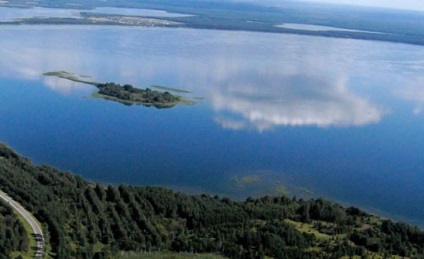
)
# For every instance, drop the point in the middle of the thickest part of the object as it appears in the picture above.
(86, 220)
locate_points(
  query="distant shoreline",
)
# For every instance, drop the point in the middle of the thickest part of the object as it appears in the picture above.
(149, 22)
(249, 17)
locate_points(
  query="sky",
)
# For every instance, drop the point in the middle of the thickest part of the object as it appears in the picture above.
(417, 5)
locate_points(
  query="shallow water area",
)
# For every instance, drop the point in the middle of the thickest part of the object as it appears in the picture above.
(311, 27)
(280, 114)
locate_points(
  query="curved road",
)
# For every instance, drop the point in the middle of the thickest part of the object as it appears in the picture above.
(37, 231)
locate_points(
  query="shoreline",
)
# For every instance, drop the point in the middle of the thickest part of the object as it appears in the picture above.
(196, 191)
(248, 17)
(367, 36)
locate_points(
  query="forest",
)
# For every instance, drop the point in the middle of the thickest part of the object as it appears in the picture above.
(129, 95)
(82, 219)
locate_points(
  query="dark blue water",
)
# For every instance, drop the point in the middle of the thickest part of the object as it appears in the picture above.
(281, 113)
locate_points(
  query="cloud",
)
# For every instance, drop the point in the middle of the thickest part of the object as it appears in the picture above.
(291, 100)
(413, 92)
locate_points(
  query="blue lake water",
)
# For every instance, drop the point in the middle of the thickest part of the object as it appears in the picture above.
(312, 116)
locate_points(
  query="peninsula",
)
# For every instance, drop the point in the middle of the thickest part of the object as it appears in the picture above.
(126, 94)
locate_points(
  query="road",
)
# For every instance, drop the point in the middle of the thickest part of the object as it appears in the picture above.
(37, 231)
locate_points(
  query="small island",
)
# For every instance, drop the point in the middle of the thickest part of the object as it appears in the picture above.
(126, 94)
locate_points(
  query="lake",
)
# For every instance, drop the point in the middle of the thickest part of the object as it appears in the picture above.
(277, 113)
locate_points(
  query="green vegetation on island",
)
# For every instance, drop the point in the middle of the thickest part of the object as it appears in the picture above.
(87, 220)
(127, 94)
(131, 95)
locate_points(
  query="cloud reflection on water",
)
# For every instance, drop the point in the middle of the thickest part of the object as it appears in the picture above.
(291, 100)
(415, 93)
(64, 86)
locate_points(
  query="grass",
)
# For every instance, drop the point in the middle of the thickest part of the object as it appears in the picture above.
(97, 247)
(30, 254)
(32, 242)
(307, 228)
